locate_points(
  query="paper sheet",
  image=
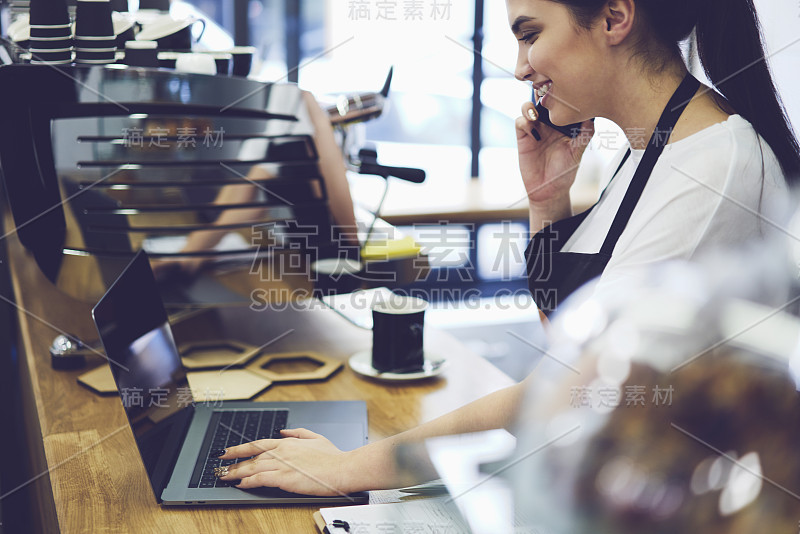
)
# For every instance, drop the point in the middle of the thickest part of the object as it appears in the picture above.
(427, 516)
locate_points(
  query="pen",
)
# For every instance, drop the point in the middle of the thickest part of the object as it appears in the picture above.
(338, 523)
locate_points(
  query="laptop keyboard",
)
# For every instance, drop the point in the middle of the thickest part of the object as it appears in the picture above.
(230, 428)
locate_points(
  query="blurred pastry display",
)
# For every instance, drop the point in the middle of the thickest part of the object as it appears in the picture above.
(671, 408)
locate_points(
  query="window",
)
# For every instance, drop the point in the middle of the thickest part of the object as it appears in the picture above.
(434, 120)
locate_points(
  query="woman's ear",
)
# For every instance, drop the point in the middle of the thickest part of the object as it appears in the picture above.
(618, 18)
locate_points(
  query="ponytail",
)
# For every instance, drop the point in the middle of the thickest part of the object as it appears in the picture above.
(729, 45)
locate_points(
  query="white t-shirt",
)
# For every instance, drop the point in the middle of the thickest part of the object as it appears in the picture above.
(705, 192)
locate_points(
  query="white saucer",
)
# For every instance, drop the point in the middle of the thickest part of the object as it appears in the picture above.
(361, 363)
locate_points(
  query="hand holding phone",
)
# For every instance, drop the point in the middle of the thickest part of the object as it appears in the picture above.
(548, 168)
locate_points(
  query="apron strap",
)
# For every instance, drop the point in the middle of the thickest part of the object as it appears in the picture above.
(677, 104)
(621, 164)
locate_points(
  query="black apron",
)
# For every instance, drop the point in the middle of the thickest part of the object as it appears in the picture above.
(553, 275)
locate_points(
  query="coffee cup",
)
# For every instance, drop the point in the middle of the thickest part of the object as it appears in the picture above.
(50, 44)
(95, 42)
(141, 54)
(159, 5)
(125, 27)
(53, 57)
(93, 19)
(168, 60)
(397, 334)
(49, 13)
(95, 56)
(223, 61)
(57, 31)
(171, 34)
(242, 59)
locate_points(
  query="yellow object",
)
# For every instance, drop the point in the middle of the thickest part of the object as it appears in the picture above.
(389, 249)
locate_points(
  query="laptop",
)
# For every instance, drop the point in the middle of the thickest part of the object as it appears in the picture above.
(175, 435)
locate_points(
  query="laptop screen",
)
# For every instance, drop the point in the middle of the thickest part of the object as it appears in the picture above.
(144, 360)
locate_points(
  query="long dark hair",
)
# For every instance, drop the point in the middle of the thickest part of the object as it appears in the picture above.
(730, 48)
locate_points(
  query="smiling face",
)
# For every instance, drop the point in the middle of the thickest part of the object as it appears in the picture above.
(555, 52)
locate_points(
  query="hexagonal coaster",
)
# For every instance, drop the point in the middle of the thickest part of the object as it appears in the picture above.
(294, 366)
(100, 380)
(217, 353)
(231, 384)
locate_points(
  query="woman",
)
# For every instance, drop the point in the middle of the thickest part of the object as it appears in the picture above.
(715, 177)
(709, 176)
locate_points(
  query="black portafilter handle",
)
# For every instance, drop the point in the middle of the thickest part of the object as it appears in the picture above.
(369, 165)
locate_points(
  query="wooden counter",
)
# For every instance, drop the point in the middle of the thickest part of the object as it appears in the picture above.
(88, 475)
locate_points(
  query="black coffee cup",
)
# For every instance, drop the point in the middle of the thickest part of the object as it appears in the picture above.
(160, 5)
(125, 28)
(124, 37)
(93, 18)
(36, 51)
(223, 61)
(51, 56)
(99, 43)
(167, 60)
(49, 13)
(60, 31)
(242, 59)
(171, 34)
(95, 56)
(397, 334)
(141, 54)
(50, 44)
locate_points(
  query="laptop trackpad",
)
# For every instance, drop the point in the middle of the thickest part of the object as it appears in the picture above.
(346, 436)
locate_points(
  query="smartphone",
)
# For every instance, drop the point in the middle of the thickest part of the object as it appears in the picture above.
(570, 130)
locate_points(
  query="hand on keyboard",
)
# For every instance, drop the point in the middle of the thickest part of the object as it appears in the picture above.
(301, 462)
